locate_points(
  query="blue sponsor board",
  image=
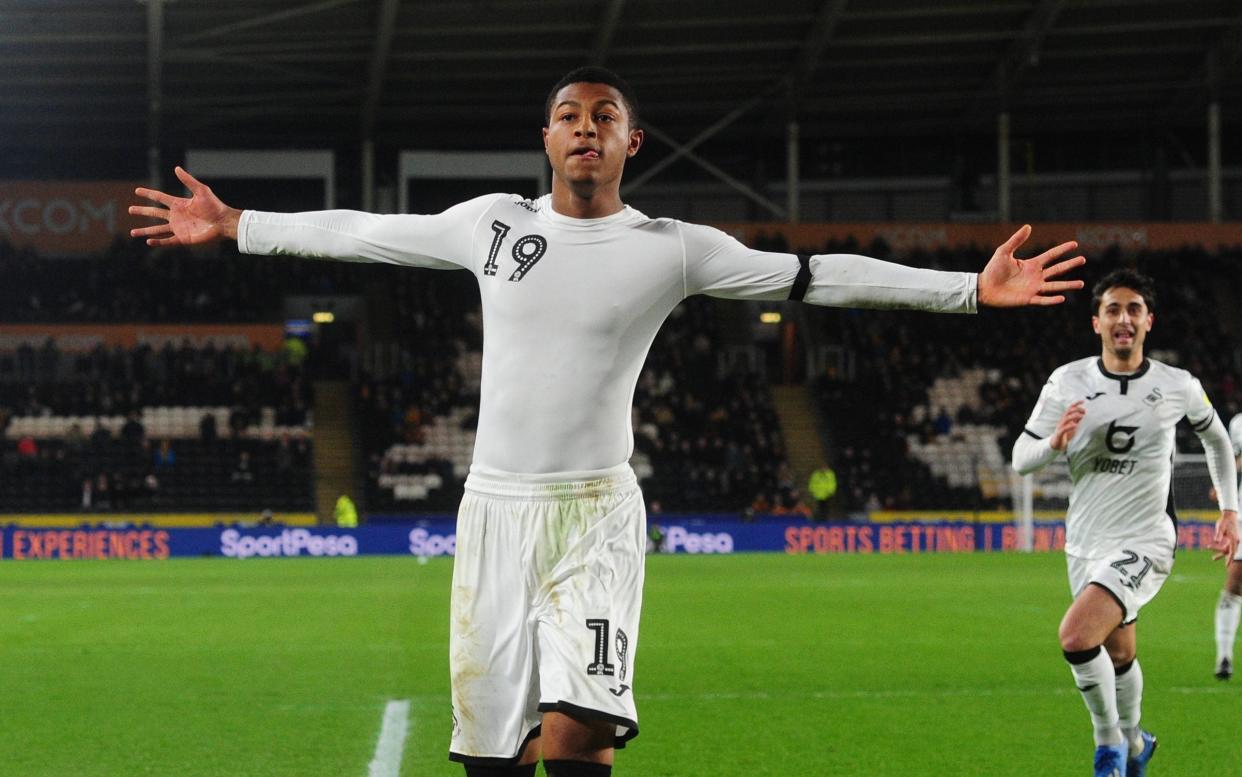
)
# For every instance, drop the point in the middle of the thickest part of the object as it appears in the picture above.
(401, 536)
(798, 536)
(34, 544)
(690, 534)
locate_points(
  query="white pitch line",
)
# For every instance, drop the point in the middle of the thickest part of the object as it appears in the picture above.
(391, 745)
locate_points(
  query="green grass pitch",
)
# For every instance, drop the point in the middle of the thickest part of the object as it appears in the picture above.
(747, 665)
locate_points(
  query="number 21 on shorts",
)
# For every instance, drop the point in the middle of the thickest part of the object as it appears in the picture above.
(1128, 579)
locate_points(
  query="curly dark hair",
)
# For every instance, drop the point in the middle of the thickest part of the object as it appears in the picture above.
(595, 75)
(1127, 278)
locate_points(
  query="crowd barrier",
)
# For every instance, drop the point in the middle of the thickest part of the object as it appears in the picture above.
(437, 537)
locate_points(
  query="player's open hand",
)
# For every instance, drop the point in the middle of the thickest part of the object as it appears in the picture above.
(1225, 542)
(1010, 282)
(199, 218)
(1068, 425)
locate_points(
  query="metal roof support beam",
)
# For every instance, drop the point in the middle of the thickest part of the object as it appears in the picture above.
(1217, 63)
(380, 51)
(680, 149)
(792, 177)
(155, 89)
(385, 25)
(796, 81)
(734, 183)
(210, 55)
(607, 29)
(814, 46)
(265, 19)
(1216, 208)
(1003, 186)
(285, 97)
(1021, 55)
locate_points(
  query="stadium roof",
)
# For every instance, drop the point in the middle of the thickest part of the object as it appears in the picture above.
(474, 73)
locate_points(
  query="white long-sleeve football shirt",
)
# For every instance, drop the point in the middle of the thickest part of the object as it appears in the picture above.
(571, 306)
(1121, 456)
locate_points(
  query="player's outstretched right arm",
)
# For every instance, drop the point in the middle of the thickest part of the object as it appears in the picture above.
(719, 266)
(199, 218)
(439, 241)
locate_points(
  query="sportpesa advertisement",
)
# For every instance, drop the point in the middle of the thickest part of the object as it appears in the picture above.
(438, 538)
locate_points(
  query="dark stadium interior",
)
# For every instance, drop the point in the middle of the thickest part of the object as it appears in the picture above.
(243, 530)
(706, 430)
(893, 109)
(1089, 84)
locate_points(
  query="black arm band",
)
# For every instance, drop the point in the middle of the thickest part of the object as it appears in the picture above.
(1203, 425)
(803, 281)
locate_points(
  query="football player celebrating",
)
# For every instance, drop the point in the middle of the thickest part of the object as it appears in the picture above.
(1113, 417)
(548, 575)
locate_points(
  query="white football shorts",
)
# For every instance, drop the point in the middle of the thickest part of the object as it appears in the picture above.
(1134, 573)
(547, 590)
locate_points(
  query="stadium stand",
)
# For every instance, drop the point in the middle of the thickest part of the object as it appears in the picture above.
(925, 420)
(929, 417)
(703, 440)
(172, 430)
(709, 438)
(132, 283)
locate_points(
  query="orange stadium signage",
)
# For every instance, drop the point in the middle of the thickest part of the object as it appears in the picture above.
(65, 217)
(81, 338)
(87, 544)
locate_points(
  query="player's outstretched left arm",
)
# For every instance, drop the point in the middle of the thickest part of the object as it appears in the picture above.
(199, 218)
(1010, 282)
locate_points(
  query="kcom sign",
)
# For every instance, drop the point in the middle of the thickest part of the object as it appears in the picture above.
(64, 217)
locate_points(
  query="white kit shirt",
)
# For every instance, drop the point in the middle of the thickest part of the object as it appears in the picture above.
(571, 306)
(1121, 456)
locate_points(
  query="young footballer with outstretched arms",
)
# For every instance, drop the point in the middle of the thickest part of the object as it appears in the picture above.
(547, 581)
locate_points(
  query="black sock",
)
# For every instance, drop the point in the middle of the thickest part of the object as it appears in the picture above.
(1081, 656)
(576, 769)
(500, 771)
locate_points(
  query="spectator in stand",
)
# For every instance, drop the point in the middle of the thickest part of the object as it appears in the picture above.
(295, 350)
(101, 438)
(239, 419)
(165, 456)
(301, 453)
(27, 448)
(87, 494)
(822, 486)
(102, 493)
(207, 429)
(796, 505)
(762, 505)
(75, 440)
(242, 473)
(345, 512)
(150, 489)
(133, 433)
(284, 455)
